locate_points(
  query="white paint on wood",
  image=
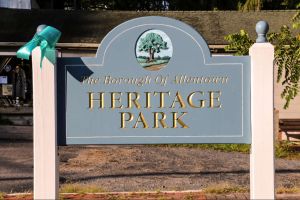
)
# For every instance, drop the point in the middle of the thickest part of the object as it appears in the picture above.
(262, 148)
(44, 120)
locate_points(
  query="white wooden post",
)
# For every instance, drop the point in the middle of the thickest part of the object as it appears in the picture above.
(262, 148)
(44, 127)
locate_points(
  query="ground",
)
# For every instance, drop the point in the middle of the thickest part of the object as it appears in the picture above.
(138, 168)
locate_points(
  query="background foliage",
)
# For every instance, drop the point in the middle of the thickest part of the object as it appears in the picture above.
(287, 56)
(296, 18)
(168, 4)
(287, 53)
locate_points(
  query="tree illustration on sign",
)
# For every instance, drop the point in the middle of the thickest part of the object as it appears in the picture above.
(152, 43)
(154, 49)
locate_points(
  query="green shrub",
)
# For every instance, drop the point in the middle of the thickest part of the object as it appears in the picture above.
(287, 57)
(283, 149)
(80, 188)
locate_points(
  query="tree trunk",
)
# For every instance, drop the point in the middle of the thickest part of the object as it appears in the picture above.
(151, 55)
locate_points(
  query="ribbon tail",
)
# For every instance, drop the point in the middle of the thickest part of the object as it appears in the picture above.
(43, 47)
(25, 51)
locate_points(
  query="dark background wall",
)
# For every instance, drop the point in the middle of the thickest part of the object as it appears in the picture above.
(91, 27)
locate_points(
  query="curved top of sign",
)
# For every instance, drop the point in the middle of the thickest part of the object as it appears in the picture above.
(123, 40)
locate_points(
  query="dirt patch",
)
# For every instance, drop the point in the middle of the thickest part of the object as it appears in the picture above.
(186, 195)
(155, 67)
(119, 168)
(152, 168)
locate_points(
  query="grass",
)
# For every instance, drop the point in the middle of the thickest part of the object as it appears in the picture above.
(283, 149)
(157, 62)
(2, 194)
(225, 188)
(142, 60)
(145, 63)
(244, 148)
(286, 149)
(127, 196)
(80, 188)
(189, 197)
(222, 188)
(284, 190)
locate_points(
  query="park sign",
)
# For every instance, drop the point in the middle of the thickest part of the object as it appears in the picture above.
(153, 80)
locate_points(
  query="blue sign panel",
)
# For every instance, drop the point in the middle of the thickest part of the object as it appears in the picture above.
(153, 80)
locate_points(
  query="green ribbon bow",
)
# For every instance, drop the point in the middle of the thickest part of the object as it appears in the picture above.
(46, 39)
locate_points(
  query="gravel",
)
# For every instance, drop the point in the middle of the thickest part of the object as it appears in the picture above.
(138, 167)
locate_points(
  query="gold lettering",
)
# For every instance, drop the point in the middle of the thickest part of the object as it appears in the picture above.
(148, 100)
(161, 120)
(161, 98)
(123, 119)
(91, 100)
(133, 100)
(177, 119)
(190, 100)
(178, 98)
(141, 118)
(214, 97)
(116, 97)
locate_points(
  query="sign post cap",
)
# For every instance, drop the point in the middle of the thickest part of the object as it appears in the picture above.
(262, 28)
(40, 28)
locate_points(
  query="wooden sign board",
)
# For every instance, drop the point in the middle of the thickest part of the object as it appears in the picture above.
(153, 80)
